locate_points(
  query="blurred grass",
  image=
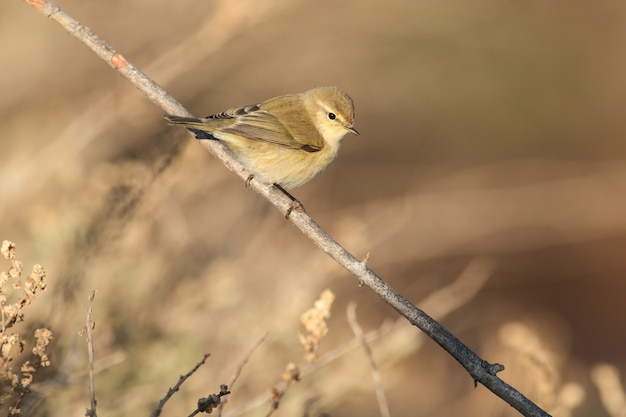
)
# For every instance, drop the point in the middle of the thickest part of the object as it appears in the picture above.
(488, 129)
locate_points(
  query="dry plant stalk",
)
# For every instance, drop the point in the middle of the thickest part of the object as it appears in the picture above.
(378, 380)
(314, 321)
(13, 299)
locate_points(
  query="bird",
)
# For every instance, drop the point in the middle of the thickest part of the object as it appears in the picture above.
(286, 140)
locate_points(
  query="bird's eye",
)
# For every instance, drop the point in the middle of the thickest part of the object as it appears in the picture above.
(332, 116)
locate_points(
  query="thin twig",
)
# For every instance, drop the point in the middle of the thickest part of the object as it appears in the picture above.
(449, 298)
(157, 411)
(378, 380)
(480, 370)
(237, 372)
(89, 325)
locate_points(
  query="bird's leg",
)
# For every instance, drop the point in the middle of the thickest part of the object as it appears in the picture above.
(295, 203)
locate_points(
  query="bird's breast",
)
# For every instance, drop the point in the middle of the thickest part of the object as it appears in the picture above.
(288, 167)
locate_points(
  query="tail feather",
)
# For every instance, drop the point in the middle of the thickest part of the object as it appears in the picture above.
(192, 124)
(180, 120)
(201, 134)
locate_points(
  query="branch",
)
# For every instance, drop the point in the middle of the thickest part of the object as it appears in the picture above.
(480, 370)
(170, 392)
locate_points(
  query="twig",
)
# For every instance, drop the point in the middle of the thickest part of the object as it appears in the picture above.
(378, 380)
(449, 298)
(237, 372)
(157, 411)
(480, 370)
(244, 361)
(91, 412)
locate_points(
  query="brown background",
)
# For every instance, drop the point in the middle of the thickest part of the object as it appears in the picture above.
(492, 142)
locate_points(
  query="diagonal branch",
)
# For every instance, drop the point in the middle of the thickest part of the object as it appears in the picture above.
(480, 370)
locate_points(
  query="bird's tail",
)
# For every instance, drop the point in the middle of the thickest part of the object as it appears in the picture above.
(193, 124)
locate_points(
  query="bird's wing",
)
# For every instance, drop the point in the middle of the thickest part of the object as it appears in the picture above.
(255, 123)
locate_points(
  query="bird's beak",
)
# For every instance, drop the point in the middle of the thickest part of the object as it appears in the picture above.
(351, 129)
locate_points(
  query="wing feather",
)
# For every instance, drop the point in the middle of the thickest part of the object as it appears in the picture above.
(256, 123)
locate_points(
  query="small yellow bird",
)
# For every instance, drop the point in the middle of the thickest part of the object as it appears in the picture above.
(286, 140)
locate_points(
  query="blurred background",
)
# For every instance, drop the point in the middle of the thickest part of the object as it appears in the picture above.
(488, 186)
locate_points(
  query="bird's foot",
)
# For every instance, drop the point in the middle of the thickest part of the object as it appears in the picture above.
(295, 203)
(249, 179)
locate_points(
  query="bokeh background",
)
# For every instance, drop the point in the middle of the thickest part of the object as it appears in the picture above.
(488, 186)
